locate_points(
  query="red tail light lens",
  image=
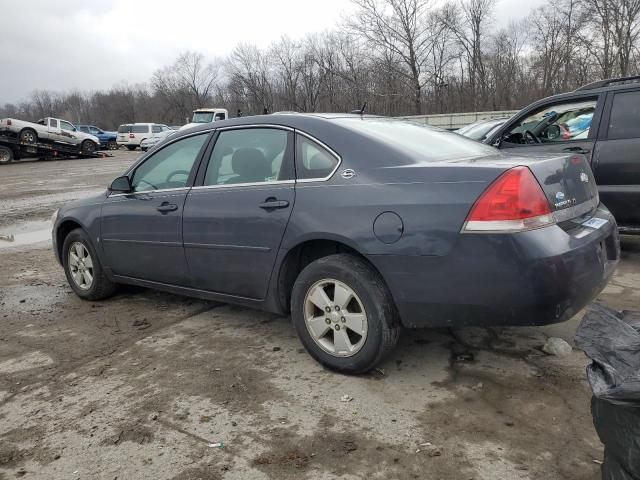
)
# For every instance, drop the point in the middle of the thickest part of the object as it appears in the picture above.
(513, 202)
(9, 122)
(131, 135)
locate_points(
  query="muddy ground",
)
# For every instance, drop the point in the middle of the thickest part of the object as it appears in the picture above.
(151, 385)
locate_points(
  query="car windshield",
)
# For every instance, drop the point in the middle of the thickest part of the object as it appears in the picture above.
(431, 144)
(202, 117)
(479, 130)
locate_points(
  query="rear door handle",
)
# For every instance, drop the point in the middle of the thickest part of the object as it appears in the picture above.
(167, 207)
(270, 203)
(576, 150)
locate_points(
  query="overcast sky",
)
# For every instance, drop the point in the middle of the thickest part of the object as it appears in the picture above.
(90, 45)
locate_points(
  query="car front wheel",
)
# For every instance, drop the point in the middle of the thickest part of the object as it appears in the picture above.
(83, 269)
(344, 314)
(88, 146)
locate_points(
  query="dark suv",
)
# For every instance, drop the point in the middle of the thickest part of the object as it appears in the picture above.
(600, 120)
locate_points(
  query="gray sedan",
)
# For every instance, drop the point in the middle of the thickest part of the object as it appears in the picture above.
(356, 225)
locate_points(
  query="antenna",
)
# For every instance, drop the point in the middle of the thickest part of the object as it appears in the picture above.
(360, 111)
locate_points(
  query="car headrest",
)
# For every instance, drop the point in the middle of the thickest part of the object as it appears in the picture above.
(250, 165)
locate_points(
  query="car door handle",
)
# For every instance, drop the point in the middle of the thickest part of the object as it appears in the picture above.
(270, 203)
(167, 207)
(576, 150)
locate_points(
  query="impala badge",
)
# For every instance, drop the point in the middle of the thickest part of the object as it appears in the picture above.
(348, 173)
(584, 177)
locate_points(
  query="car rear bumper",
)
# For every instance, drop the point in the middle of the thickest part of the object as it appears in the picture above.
(530, 278)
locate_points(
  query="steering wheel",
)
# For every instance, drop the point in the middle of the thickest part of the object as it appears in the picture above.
(531, 135)
(177, 172)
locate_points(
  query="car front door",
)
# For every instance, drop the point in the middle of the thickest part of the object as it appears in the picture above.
(68, 133)
(568, 126)
(236, 216)
(616, 161)
(141, 231)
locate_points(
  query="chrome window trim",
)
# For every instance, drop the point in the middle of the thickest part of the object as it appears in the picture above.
(327, 148)
(256, 125)
(252, 184)
(161, 190)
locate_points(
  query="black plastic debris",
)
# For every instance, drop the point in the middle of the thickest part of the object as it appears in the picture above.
(612, 340)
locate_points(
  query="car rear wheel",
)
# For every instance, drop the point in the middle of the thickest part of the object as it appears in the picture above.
(28, 135)
(6, 155)
(88, 146)
(83, 269)
(344, 314)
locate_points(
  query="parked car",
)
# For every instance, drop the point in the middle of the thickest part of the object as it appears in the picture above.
(600, 121)
(357, 225)
(107, 139)
(131, 135)
(52, 130)
(148, 143)
(481, 129)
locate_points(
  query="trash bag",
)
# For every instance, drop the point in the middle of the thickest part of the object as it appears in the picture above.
(612, 340)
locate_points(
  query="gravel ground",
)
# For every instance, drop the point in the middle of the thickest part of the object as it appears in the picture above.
(151, 385)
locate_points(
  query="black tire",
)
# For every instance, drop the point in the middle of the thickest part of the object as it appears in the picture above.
(113, 146)
(88, 146)
(29, 136)
(382, 317)
(6, 155)
(131, 147)
(101, 286)
(144, 149)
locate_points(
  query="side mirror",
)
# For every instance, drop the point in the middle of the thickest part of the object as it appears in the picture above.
(121, 185)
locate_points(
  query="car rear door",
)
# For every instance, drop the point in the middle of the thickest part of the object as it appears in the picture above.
(616, 161)
(141, 231)
(563, 126)
(236, 215)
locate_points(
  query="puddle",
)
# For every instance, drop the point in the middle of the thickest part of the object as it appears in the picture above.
(25, 233)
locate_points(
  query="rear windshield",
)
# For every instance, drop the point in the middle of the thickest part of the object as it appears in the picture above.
(133, 129)
(430, 144)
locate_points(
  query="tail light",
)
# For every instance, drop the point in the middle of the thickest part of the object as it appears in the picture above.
(9, 122)
(131, 135)
(514, 202)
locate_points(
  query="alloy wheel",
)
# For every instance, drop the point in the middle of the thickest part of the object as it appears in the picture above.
(80, 265)
(335, 318)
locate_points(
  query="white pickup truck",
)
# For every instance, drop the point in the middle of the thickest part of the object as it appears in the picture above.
(51, 130)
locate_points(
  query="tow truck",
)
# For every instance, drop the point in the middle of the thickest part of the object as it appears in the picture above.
(16, 145)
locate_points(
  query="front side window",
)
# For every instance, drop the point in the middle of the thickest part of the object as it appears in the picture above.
(66, 125)
(84, 130)
(312, 160)
(169, 167)
(250, 155)
(625, 114)
(553, 124)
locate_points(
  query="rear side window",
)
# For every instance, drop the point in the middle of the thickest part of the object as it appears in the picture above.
(53, 123)
(139, 128)
(312, 160)
(250, 155)
(625, 116)
(84, 129)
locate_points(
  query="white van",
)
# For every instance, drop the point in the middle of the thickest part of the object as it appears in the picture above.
(131, 134)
